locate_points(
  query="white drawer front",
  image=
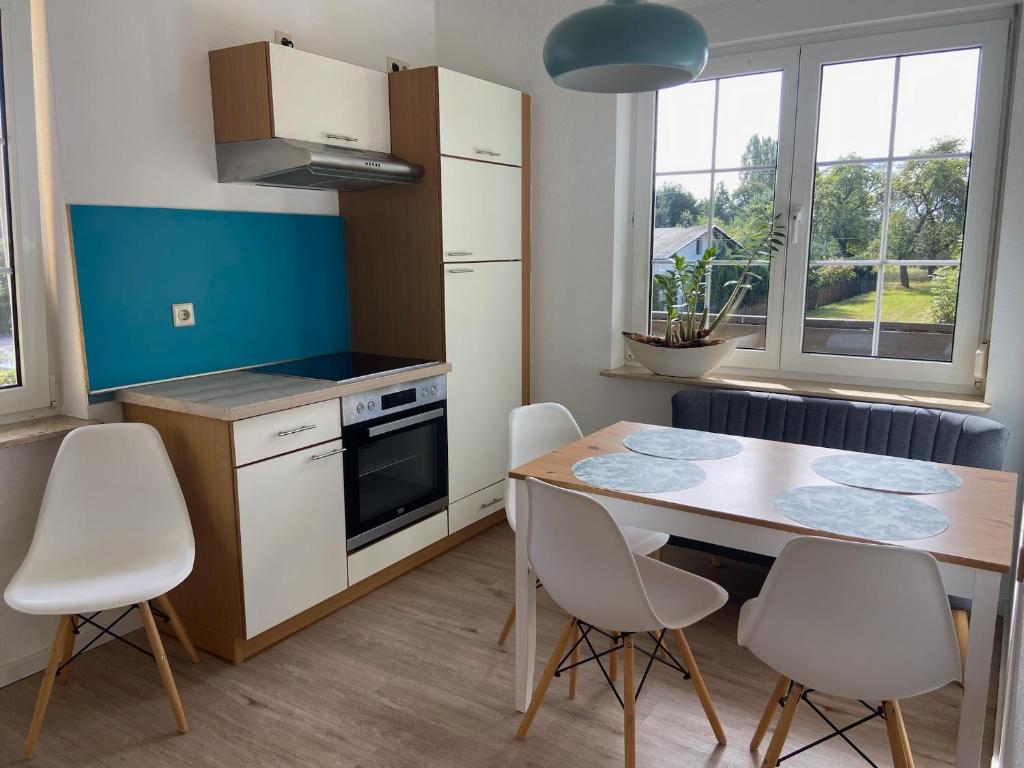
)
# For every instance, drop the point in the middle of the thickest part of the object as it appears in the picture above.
(479, 119)
(379, 555)
(275, 433)
(476, 506)
(291, 522)
(481, 207)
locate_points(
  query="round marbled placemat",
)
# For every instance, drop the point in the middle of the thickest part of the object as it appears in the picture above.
(886, 473)
(864, 514)
(670, 443)
(637, 473)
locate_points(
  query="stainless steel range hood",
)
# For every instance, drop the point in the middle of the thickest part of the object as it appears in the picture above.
(306, 165)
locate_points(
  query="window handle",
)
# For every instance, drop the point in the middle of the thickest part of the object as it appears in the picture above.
(796, 218)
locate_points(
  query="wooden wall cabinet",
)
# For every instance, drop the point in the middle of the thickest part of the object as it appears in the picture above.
(264, 90)
(440, 269)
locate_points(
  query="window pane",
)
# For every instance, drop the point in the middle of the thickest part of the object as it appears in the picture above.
(8, 360)
(846, 214)
(927, 209)
(855, 115)
(680, 227)
(744, 205)
(936, 102)
(685, 123)
(748, 120)
(840, 310)
(750, 317)
(918, 312)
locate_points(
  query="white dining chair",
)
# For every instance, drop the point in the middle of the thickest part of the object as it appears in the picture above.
(537, 429)
(585, 562)
(113, 531)
(860, 621)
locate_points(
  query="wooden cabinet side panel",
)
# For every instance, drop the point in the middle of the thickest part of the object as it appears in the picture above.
(201, 453)
(525, 208)
(393, 236)
(240, 90)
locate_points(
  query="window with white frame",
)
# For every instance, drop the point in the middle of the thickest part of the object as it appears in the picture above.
(880, 153)
(24, 360)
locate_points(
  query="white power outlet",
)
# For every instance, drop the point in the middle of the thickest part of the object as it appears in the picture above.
(284, 38)
(396, 65)
(183, 315)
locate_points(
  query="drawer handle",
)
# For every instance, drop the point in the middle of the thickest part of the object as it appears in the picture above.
(495, 500)
(296, 430)
(335, 452)
(488, 152)
(459, 270)
(340, 137)
(459, 253)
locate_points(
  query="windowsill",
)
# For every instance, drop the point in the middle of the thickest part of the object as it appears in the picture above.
(870, 394)
(34, 430)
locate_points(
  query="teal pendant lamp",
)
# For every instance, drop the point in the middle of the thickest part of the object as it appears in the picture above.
(625, 46)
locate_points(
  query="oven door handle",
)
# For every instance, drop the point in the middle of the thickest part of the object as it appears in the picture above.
(408, 421)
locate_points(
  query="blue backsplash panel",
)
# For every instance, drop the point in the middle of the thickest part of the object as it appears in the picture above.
(265, 286)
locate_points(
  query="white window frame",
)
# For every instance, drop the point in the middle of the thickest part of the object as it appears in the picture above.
(991, 37)
(786, 61)
(26, 240)
(801, 67)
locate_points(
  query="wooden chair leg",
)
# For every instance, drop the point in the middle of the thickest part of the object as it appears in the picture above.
(698, 683)
(769, 712)
(163, 666)
(68, 652)
(164, 604)
(962, 622)
(629, 702)
(572, 660)
(892, 730)
(46, 687)
(510, 622)
(659, 554)
(908, 755)
(613, 658)
(545, 679)
(778, 741)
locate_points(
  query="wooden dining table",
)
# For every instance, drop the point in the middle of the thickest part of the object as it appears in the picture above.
(735, 507)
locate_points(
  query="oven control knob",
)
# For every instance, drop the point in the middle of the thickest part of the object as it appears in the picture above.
(425, 392)
(371, 405)
(433, 390)
(360, 408)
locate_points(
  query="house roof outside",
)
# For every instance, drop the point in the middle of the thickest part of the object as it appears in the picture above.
(668, 241)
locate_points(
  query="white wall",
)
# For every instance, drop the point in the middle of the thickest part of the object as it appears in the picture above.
(130, 124)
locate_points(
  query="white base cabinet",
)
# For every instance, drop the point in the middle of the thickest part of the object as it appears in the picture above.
(483, 336)
(476, 506)
(291, 519)
(398, 546)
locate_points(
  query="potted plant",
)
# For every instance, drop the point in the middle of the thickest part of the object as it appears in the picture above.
(693, 345)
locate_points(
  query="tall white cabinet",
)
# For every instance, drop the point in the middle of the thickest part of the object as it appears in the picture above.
(453, 253)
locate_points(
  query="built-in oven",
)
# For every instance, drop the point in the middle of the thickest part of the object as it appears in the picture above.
(396, 467)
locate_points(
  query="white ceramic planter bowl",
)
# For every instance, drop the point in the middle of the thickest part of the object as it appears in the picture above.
(687, 363)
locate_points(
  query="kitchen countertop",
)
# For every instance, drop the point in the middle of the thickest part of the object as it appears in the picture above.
(242, 394)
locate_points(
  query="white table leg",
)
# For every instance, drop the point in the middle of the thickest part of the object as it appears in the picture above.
(979, 667)
(526, 603)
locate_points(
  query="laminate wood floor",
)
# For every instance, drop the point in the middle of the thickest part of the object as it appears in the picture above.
(412, 676)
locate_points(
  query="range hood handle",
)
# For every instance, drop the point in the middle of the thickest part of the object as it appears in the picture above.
(340, 137)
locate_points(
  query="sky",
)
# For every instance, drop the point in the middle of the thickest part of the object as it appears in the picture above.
(936, 98)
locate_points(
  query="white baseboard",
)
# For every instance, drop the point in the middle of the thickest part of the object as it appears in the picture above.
(13, 671)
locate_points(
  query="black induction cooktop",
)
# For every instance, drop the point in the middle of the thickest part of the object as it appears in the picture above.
(343, 366)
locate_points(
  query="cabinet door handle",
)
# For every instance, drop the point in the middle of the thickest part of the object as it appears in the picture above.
(459, 270)
(340, 137)
(335, 452)
(458, 253)
(296, 430)
(487, 152)
(495, 500)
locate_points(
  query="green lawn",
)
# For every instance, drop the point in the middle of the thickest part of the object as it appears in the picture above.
(907, 305)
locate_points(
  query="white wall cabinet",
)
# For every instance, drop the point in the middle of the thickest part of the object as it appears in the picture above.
(328, 101)
(291, 519)
(483, 337)
(481, 211)
(478, 119)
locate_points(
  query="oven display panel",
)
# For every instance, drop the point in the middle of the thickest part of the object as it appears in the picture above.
(395, 399)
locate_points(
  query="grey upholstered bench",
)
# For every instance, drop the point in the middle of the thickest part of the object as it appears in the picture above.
(890, 430)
